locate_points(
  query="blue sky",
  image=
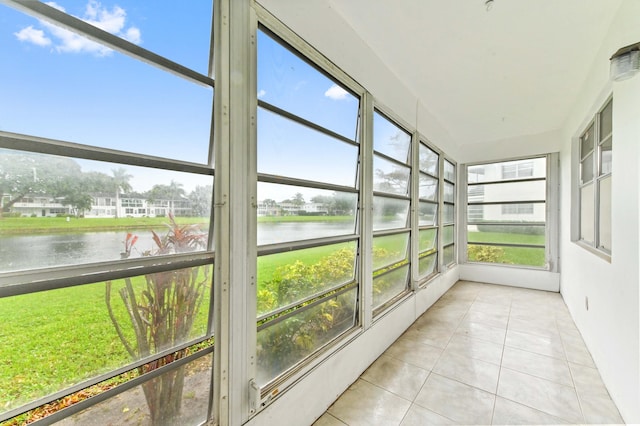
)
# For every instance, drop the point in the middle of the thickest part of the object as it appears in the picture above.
(58, 85)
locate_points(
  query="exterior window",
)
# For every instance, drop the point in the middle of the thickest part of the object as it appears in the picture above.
(594, 187)
(429, 165)
(448, 213)
(78, 280)
(308, 288)
(506, 212)
(391, 204)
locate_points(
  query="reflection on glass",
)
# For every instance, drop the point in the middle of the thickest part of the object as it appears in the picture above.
(509, 191)
(293, 213)
(448, 234)
(289, 277)
(448, 213)
(286, 148)
(605, 157)
(448, 254)
(606, 123)
(427, 265)
(428, 160)
(101, 98)
(586, 142)
(587, 213)
(389, 249)
(449, 171)
(185, 406)
(522, 256)
(389, 213)
(38, 365)
(389, 139)
(427, 239)
(390, 177)
(586, 169)
(389, 285)
(505, 233)
(290, 83)
(428, 188)
(81, 211)
(529, 168)
(284, 344)
(428, 214)
(604, 217)
(449, 190)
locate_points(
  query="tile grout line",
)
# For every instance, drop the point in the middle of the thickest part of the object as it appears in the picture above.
(504, 343)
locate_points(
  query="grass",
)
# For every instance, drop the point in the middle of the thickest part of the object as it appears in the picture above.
(51, 340)
(512, 255)
(280, 219)
(22, 225)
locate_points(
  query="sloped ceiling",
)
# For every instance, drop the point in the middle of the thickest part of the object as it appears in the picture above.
(485, 75)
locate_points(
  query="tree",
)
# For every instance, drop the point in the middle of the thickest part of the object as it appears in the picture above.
(23, 173)
(298, 200)
(200, 199)
(120, 184)
(161, 308)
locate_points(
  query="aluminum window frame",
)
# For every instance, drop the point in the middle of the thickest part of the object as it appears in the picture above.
(48, 279)
(422, 281)
(578, 158)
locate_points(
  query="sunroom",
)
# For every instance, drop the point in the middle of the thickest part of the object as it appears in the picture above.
(224, 212)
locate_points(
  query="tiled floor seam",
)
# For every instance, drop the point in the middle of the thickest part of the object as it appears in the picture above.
(504, 342)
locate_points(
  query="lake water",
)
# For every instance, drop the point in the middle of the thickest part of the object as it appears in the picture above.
(21, 252)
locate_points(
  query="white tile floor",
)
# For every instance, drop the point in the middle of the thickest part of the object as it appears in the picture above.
(483, 354)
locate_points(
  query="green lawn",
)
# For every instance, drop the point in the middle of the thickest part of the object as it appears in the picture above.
(508, 255)
(19, 225)
(279, 219)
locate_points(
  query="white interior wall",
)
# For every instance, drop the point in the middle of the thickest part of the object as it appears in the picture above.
(610, 327)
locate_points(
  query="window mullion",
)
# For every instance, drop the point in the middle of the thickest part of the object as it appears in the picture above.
(366, 212)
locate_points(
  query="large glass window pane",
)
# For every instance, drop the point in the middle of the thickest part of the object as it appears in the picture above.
(428, 214)
(448, 213)
(61, 211)
(587, 213)
(586, 142)
(510, 191)
(286, 148)
(586, 169)
(388, 285)
(428, 160)
(449, 171)
(428, 188)
(530, 168)
(427, 265)
(185, 406)
(389, 139)
(449, 190)
(604, 217)
(282, 345)
(520, 212)
(110, 100)
(389, 249)
(44, 349)
(290, 83)
(505, 233)
(292, 276)
(606, 120)
(427, 239)
(524, 256)
(389, 213)
(605, 157)
(390, 177)
(448, 254)
(292, 213)
(448, 234)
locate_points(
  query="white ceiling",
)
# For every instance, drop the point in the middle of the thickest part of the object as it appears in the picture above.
(486, 75)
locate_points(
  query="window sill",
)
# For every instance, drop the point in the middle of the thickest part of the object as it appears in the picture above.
(601, 254)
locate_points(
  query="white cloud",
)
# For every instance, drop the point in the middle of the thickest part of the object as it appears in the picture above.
(261, 93)
(112, 21)
(336, 93)
(34, 36)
